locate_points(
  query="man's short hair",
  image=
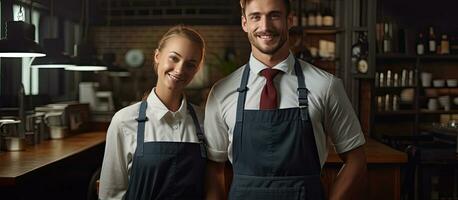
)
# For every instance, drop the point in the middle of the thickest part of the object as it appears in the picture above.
(286, 2)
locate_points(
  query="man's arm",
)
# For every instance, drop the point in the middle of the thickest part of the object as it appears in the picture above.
(215, 182)
(351, 181)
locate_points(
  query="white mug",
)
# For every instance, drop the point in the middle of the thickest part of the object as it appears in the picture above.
(426, 79)
(432, 104)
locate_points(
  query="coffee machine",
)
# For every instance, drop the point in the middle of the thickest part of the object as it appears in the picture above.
(64, 119)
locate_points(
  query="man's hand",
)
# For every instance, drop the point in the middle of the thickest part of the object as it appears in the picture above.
(351, 182)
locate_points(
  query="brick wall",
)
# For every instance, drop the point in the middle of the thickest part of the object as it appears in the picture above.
(119, 40)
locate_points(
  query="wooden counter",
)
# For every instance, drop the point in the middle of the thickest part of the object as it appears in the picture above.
(376, 152)
(384, 171)
(51, 163)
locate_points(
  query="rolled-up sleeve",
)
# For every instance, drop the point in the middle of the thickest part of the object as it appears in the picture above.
(216, 131)
(341, 122)
(114, 175)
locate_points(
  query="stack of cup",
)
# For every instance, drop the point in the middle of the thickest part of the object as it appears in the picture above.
(444, 101)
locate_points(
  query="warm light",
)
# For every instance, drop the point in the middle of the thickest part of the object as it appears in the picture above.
(21, 55)
(51, 66)
(86, 68)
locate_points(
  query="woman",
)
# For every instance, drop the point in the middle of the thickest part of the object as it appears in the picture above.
(155, 149)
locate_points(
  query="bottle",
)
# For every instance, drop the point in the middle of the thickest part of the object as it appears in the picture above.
(396, 80)
(420, 44)
(377, 79)
(328, 18)
(404, 81)
(395, 103)
(382, 80)
(304, 18)
(388, 79)
(386, 39)
(318, 16)
(387, 102)
(311, 18)
(445, 45)
(431, 41)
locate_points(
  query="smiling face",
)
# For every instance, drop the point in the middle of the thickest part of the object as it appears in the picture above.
(266, 22)
(177, 62)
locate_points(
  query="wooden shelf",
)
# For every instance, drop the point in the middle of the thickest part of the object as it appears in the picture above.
(391, 56)
(322, 30)
(421, 57)
(394, 88)
(360, 29)
(438, 57)
(400, 112)
(438, 112)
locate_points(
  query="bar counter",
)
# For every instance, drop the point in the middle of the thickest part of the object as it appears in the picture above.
(52, 165)
(53, 169)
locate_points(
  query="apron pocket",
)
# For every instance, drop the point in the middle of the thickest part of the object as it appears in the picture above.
(248, 193)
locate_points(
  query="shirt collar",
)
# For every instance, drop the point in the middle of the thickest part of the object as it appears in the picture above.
(161, 111)
(285, 66)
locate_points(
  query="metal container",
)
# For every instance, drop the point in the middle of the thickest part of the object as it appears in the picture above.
(13, 143)
(11, 127)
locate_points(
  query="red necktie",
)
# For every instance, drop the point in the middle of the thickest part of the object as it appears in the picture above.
(269, 93)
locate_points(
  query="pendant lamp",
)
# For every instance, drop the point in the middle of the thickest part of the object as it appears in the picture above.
(86, 59)
(54, 57)
(19, 41)
(113, 69)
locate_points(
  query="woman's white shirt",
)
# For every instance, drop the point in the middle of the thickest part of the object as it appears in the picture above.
(121, 141)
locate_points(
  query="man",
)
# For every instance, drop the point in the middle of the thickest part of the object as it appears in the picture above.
(269, 118)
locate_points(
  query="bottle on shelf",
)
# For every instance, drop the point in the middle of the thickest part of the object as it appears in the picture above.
(387, 40)
(404, 81)
(311, 18)
(445, 45)
(420, 44)
(388, 79)
(318, 16)
(395, 103)
(304, 18)
(328, 17)
(431, 41)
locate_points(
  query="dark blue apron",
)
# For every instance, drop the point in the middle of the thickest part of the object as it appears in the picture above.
(274, 151)
(167, 170)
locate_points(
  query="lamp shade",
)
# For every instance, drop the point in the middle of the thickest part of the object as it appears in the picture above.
(19, 41)
(54, 57)
(86, 59)
(113, 69)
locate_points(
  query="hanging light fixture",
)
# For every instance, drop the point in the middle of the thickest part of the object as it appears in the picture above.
(85, 54)
(55, 58)
(19, 41)
(86, 59)
(113, 69)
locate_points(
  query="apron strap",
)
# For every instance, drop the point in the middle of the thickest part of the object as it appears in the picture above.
(242, 96)
(301, 91)
(141, 127)
(200, 133)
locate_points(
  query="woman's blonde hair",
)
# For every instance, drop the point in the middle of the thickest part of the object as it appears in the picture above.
(186, 32)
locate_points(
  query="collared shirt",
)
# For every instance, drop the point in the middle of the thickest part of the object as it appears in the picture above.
(330, 110)
(121, 141)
